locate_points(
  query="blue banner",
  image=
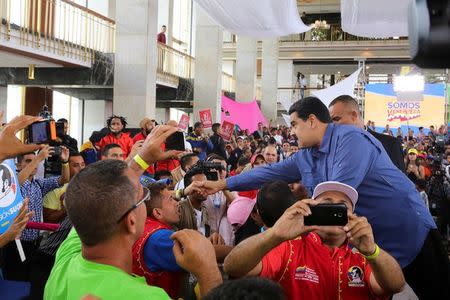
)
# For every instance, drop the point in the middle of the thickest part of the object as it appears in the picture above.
(10, 196)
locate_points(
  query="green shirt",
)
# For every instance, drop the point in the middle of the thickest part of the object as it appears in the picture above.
(73, 277)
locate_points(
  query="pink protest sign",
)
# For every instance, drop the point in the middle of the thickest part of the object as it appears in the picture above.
(246, 115)
(206, 118)
(184, 122)
(227, 130)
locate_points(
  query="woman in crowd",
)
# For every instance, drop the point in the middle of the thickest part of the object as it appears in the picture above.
(414, 169)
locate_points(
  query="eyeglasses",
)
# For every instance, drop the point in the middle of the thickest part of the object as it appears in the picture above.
(146, 197)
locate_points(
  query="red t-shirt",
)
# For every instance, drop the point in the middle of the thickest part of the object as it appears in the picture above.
(307, 269)
(161, 38)
(125, 142)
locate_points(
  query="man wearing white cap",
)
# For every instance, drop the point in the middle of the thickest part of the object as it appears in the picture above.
(316, 262)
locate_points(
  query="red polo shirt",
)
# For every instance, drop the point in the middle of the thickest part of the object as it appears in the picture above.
(307, 269)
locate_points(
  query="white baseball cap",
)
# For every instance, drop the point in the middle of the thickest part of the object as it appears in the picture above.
(327, 186)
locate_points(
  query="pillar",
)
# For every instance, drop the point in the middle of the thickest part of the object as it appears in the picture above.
(269, 80)
(208, 65)
(135, 60)
(3, 101)
(245, 69)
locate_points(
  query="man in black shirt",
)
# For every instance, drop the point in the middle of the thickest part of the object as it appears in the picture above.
(217, 141)
(67, 140)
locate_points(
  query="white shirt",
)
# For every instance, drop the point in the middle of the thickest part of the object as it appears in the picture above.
(198, 216)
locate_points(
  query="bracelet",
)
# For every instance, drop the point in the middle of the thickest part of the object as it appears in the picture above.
(65, 162)
(179, 194)
(374, 255)
(142, 163)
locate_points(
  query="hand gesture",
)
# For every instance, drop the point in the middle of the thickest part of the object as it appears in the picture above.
(193, 252)
(135, 149)
(216, 239)
(45, 152)
(151, 151)
(360, 235)
(212, 187)
(10, 145)
(64, 154)
(19, 223)
(194, 187)
(290, 225)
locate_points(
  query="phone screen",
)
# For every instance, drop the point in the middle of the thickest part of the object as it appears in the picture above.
(175, 141)
(39, 132)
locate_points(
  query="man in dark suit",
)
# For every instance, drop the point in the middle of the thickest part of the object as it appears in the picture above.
(217, 141)
(345, 110)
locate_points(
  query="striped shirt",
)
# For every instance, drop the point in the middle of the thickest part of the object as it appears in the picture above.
(35, 190)
(51, 244)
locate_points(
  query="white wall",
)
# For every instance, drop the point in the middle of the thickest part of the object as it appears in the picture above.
(160, 115)
(163, 14)
(69, 108)
(94, 117)
(3, 102)
(15, 98)
(100, 6)
(228, 66)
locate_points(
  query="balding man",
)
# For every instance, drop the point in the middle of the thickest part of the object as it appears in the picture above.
(345, 110)
(146, 126)
(270, 154)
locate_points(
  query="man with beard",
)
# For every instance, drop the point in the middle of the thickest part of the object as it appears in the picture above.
(116, 135)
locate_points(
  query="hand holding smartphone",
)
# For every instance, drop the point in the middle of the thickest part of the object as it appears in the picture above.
(327, 215)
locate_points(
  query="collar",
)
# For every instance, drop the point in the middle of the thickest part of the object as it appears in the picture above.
(325, 145)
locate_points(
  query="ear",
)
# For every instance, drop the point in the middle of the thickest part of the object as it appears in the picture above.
(312, 121)
(354, 116)
(131, 223)
(156, 213)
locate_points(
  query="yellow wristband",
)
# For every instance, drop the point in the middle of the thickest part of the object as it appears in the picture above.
(374, 255)
(142, 163)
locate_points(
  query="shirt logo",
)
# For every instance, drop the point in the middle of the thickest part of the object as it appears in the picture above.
(355, 276)
(307, 274)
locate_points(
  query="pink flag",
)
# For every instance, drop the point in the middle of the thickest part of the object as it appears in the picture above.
(206, 118)
(227, 130)
(246, 115)
(184, 122)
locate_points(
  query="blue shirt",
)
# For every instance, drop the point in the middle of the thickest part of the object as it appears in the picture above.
(199, 142)
(158, 252)
(35, 190)
(347, 154)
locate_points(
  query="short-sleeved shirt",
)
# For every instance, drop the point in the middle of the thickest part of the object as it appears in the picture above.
(53, 198)
(158, 254)
(73, 277)
(125, 142)
(307, 269)
(35, 190)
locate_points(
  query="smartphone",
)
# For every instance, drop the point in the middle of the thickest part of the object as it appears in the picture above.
(175, 141)
(327, 215)
(42, 132)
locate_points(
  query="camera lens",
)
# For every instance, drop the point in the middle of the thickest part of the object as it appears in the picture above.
(340, 215)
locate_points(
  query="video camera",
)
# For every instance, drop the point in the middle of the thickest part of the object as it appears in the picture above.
(210, 169)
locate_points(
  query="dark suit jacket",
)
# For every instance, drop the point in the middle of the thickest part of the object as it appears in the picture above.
(393, 148)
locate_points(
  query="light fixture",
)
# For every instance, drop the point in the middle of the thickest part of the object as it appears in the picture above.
(409, 83)
(31, 71)
(320, 24)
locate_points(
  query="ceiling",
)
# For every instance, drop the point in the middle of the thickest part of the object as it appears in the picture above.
(12, 60)
(318, 6)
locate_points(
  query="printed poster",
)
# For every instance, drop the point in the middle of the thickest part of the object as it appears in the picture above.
(184, 122)
(10, 196)
(227, 130)
(206, 118)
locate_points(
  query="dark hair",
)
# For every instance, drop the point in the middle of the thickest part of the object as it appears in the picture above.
(122, 119)
(420, 128)
(421, 184)
(156, 190)
(252, 288)
(243, 161)
(95, 199)
(164, 26)
(272, 200)
(215, 127)
(197, 124)
(105, 150)
(346, 99)
(191, 173)
(20, 157)
(311, 106)
(186, 159)
(75, 154)
(161, 173)
(63, 120)
(214, 156)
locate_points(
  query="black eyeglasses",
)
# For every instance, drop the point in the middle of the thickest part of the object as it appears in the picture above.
(146, 197)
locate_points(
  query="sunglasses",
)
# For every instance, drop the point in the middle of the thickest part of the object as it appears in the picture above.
(145, 198)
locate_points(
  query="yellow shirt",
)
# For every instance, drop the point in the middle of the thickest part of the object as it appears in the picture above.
(52, 199)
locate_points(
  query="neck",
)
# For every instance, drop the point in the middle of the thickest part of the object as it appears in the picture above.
(332, 241)
(108, 253)
(117, 135)
(322, 128)
(195, 203)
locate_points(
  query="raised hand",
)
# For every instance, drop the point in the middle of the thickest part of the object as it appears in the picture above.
(10, 145)
(151, 150)
(291, 224)
(19, 223)
(64, 153)
(360, 234)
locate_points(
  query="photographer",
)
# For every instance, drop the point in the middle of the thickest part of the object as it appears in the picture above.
(64, 139)
(299, 256)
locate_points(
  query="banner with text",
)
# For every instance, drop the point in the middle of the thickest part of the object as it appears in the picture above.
(10, 196)
(382, 106)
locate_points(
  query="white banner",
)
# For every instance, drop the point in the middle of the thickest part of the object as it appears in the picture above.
(256, 18)
(344, 87)
(287, 119)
